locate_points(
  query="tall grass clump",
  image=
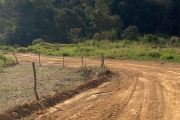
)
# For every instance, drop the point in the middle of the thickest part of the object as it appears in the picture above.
(6, 61)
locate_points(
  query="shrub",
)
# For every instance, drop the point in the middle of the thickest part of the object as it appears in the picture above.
(154, 54)
(151, 38)
(37, 41)
(74, 35)
(2, 57)
(167, 57)
(142, 53)
(111, 35)
(99, 36)
(8, 48)
(175, 41)
(21, 49)
(130, 33)
(6, 61)
(1, 64)
(161, 42)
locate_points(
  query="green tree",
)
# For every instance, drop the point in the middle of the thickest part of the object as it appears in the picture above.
(131, 33)
(111, 35)
(66, 19)
(74, 35)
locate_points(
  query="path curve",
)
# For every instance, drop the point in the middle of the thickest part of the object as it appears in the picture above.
(142, 91)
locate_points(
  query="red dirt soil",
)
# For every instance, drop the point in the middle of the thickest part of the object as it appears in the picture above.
(140, 90)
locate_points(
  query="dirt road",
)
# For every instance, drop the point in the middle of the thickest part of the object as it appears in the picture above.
(140, 91)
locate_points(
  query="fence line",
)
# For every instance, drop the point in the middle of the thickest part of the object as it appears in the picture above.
(103, 63)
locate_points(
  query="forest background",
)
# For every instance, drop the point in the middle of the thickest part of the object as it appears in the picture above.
(74, 21)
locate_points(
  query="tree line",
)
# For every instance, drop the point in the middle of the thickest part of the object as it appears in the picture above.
(72, 21)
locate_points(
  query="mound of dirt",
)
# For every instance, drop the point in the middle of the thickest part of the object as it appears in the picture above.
(22, 111)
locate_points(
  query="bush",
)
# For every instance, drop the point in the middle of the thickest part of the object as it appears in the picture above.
(2, 57)
(167, 57)
(1, 64)
(175, 41)
(151, 38)
(6, 61)
(111, 35)
(130, 33)
(99, 36)
(8, 48)
(161, 42)
(142, 53)
(21, 49)
(37, 41)
(154, 54)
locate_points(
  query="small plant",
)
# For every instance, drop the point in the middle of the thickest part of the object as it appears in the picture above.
(37, 41)
(5, 61)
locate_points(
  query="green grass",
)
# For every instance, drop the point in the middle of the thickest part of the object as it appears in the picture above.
(123, 49)
(5, 61)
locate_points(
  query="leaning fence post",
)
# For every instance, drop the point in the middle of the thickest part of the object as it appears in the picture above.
(15, 57)
(35, 81)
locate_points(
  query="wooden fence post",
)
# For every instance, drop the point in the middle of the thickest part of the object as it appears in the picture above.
(15, 57)
(85, 70)
(102, 61)
(82, 61)
(35, 81)
(63, 58)
(39, 58)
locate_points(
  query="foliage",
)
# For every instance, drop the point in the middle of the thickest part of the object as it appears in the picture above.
(175, 41)
(21, 49)
(8, 48)
(5, 61)
(120, 49)
(151, 38)
(75, 35)
(55, 20)
(37, 41)
(99, 36)
(111, 35)
(130, 33)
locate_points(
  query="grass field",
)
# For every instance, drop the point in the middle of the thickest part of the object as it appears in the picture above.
(120, 50)
(17, 82)
(115, 50)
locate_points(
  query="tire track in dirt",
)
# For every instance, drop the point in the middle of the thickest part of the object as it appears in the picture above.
(134, 105)
(113, 106)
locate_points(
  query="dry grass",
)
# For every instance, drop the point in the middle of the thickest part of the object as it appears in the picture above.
(17, 83)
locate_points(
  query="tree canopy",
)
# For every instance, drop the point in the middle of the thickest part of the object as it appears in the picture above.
(22, 21)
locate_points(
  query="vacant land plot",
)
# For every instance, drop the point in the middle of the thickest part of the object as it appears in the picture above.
(17, 83)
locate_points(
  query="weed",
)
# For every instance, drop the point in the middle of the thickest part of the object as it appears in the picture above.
(118, 49)
(6, 61)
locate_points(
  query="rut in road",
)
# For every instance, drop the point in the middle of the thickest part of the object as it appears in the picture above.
(125, 97)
